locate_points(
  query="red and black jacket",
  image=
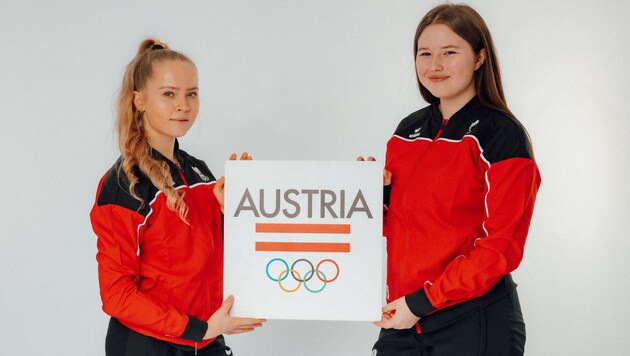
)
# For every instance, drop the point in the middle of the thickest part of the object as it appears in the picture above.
(159, 275)
(461, 201)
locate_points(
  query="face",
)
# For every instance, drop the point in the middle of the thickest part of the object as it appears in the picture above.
(446, 63)
(169, 101)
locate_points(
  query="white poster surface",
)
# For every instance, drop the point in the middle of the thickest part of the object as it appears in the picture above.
(303, 240)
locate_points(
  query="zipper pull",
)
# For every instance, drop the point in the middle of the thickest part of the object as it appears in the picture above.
(181, 175)
(444, 122)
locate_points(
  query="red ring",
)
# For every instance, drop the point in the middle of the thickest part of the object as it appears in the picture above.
(327, 280)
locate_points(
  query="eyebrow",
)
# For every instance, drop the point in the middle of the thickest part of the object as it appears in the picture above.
(176, 88)
(444, 47)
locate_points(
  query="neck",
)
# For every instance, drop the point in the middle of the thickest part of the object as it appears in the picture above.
(165, 147)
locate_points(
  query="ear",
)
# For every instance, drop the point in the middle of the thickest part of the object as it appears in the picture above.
(481, 58)
(138, 101)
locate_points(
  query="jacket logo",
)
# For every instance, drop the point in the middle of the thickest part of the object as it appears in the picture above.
(471, 126)
(416, 132)
(204, 177)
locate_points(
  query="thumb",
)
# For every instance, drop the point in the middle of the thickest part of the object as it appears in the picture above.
(220, 182)
(388, 308)
(227, 304)
(219, 187)
(233, 157)
(387, 177)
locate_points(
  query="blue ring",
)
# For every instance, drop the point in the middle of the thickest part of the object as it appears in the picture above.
(305, 279)
(285, 264)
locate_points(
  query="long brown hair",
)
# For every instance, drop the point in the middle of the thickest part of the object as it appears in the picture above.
(132, 140)
(469, 25)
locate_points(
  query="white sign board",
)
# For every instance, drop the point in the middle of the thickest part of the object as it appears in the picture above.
(303, 240)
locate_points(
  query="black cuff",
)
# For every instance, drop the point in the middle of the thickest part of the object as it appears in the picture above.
(387, 191)
(222, 227)
(195, 330)
(419, 303)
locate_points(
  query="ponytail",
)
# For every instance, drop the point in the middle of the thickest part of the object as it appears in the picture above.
(132, 140)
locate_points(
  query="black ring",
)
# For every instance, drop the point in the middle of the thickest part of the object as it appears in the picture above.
(312, 270)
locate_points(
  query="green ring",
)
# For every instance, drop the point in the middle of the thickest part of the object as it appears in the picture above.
(305, 279)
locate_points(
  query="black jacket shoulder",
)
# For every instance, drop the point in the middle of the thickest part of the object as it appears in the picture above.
(195, 170)
(115, 190)
(424, 123)
(500, 136)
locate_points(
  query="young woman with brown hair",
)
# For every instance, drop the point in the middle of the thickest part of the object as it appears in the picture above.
(158, 221)
(461, 183)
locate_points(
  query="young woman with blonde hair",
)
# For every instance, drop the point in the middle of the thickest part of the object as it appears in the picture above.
(158, 221)
(461, 182)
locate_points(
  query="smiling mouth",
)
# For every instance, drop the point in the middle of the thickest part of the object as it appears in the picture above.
(438, 78)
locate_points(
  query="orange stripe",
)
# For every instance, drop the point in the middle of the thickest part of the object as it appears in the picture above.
(304, 228)
(303, 246)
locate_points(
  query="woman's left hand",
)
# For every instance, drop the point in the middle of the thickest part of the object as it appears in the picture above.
(387, 175)
(221, 322)
(396, 315)
(219, 186)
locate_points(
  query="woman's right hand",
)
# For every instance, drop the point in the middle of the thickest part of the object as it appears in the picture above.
(219, 186)
(387, 175)
(222, 323)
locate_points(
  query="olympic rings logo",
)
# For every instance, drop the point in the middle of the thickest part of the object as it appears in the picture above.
(308, 276)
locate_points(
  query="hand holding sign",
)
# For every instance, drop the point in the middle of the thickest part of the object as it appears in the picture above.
(219, 186)
(397, 315)
(387, 175)
(222, 323)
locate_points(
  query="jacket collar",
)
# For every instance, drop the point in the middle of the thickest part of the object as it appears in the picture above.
(472, 105)
(155, 154)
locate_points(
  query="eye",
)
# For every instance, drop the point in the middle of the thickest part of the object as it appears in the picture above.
(168, 94)
(192, 94)
(448, 53)
(423, 54)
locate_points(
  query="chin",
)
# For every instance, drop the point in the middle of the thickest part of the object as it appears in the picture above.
(434, 91)
(438, 94)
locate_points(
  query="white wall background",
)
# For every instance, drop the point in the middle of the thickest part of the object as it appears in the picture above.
(315, 80)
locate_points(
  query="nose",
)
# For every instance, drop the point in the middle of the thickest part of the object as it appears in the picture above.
(436, 63)
(182, 106)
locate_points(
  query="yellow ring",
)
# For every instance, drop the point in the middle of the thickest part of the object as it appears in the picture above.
(280, 281)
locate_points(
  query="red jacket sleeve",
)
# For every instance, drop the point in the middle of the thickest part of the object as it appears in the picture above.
(118, 234)
(510, 190)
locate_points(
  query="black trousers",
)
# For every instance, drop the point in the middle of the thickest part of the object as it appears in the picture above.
(496, 330)
(122, 341)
